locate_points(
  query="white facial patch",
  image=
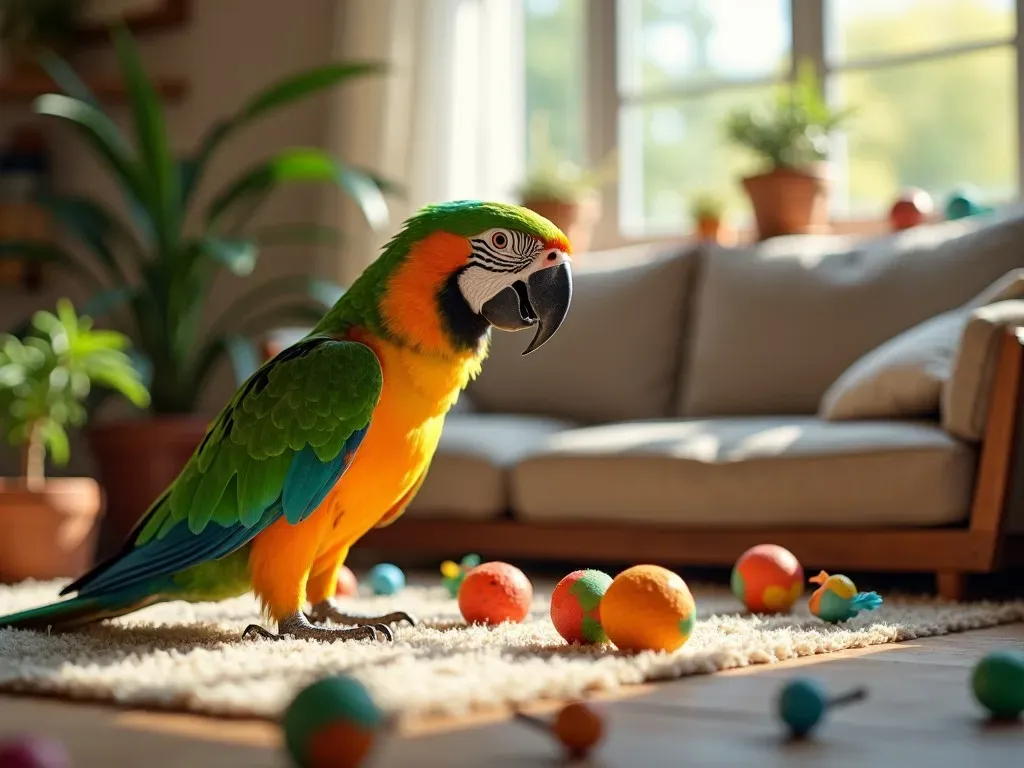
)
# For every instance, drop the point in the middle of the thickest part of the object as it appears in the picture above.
(500, 257)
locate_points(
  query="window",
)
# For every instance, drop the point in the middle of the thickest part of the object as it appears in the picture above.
(934, 84)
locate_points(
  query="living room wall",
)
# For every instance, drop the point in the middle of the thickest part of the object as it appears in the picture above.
(229, 49)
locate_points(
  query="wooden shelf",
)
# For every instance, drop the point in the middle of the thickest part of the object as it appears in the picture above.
(25, 87)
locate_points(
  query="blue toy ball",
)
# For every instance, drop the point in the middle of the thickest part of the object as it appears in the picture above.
(804, 701)
(386, 579)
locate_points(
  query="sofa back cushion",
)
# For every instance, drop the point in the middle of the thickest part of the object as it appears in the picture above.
(617, 354)
(775, 324)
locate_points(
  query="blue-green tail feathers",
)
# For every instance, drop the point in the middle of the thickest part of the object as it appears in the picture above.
(76, 612)
(866, 601)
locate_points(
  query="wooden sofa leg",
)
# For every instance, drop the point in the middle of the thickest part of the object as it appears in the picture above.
(951, 584)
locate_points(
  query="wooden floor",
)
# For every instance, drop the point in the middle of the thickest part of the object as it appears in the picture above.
(919, 712)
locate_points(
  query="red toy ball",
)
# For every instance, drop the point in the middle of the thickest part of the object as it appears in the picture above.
(495, 592)
(348, 586)
(912, 208)
(575, 606)
(768, 579)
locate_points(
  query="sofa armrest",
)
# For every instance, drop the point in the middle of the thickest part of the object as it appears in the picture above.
(967, 396)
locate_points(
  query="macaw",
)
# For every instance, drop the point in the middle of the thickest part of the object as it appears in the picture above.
(837, 599)
(334, 435)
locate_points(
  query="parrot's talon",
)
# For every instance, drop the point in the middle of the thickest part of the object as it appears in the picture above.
(254, 631)
(385, 630)
(327, 611)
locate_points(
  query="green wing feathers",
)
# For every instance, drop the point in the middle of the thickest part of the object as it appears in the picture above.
(311, 397)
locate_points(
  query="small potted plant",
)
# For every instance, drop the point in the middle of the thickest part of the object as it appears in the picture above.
(790, 136)
(31, 27)
(707, 210)
(562, 191)
(48, 525)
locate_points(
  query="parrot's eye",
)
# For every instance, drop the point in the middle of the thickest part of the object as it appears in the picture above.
(499, 239)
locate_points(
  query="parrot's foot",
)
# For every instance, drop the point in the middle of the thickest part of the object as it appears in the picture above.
(328, 611)
(298, 627)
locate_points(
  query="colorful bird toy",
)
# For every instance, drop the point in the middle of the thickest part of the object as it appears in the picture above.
(837, 599)
(453, 573)
(803, 702)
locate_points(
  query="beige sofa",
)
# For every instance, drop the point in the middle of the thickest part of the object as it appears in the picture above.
(853, 400)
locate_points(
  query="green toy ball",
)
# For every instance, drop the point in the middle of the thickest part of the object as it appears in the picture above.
(803, 703)
(331, 724)
(998, 683)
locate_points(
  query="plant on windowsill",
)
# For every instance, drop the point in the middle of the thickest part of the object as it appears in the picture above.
(31, 27)
(157, 263)
(562, 191)
(790, 136)
(48, 525)
(707, 210)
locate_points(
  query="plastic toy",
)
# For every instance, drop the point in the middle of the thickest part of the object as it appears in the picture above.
(998, 684)
(453, 573)
(804, 701)
(348, 586)
(33, 752)
(495, 592)
(577, 727)
(575, 606)
(837, 599)
(331, 724)
(648, 607)
(964, 203)
(912, 208)
(386, 579)
(768, 579)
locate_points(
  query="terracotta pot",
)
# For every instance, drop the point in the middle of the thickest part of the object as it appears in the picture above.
(577, 219)
(788, 202)
(137, 460)
(50, 533)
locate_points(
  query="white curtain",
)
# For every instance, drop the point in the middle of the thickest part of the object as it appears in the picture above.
(446, 122)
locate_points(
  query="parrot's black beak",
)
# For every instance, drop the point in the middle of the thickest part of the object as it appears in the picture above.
(542, 300)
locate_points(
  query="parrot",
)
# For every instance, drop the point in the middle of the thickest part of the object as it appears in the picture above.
(334, 435)
(837, 599)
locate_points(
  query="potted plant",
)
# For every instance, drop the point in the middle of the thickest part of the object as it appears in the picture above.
(789, 196)
(158, 263)
(562, 191)
(30, 27)
(48, 525)
(707, 210)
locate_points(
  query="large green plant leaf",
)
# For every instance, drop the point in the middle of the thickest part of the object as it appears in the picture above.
(67, 79)
(275, 96)
(299, 165)
(160, 169)
(238, 255)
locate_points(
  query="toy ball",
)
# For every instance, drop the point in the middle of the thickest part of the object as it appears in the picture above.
(998, 683)
(33, 752)
(575, 605)
(453, 573)
(768, 579)
(803, 703)
(386, 579)
(495, 592)
(578, 728)
(331, 724)
(962, 204)
(348, 586)
(648, 607)
(912, 208)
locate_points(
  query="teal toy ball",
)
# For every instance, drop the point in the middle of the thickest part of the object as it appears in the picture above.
(386, 579)
(998, 684)
(804, 701)
(964, 203)
(331, 724)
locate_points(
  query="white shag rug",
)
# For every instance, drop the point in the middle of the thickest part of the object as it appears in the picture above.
(186, 657)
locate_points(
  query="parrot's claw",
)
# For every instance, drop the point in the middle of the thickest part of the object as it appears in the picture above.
(298, 627)
(328, 611)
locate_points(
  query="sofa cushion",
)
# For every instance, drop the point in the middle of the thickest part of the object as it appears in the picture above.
(617, 354)
(468, 477)
(755, 471)
(965, 396)
(776, 324)
(904, 376)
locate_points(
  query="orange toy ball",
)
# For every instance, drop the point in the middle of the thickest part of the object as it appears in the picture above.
(495, 592)
(347, 584)
(578, 728)
(648, 608)
(768, 579)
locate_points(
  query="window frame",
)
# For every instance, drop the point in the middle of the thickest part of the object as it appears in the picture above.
(603, 101)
